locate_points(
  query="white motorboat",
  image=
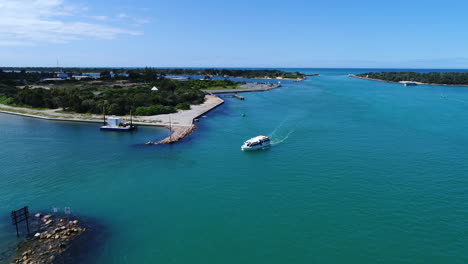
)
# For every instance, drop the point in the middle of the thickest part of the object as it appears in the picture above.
(258, 142)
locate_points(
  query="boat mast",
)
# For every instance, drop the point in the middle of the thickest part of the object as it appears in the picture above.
(104, 113)
(131, 123)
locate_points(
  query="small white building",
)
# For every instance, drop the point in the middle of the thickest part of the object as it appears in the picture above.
(154, 89)
(114, 121)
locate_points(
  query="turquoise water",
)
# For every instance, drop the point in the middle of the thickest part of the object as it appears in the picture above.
(359, 172)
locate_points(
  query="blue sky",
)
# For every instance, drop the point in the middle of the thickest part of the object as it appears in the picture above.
(255, 33)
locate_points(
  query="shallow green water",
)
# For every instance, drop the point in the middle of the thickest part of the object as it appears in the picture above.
(359, 172)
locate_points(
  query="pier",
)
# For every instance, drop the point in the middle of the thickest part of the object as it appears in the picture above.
(248, 87)
(238, 96)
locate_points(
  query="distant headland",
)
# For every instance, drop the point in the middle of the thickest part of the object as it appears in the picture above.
(431, 78)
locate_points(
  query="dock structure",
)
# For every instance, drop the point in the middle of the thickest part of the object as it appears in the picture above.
(249, 87)
(238, 96)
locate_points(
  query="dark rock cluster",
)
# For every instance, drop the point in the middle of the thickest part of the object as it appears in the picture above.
(53, 237)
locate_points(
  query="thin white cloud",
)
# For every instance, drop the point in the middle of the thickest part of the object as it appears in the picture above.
(141, 21)
(100, 18)
(122, 15)
(27, 22)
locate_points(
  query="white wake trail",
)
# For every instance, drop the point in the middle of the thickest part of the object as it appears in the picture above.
(277, 141)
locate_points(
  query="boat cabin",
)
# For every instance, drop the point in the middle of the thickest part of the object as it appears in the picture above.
(257, 141)
(115, 123)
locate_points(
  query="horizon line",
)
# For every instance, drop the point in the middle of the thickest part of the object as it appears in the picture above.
(231, 67)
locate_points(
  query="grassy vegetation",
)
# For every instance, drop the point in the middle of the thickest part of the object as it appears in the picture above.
(6, 100)
(10, 102)
(234, 86)
(85, 97)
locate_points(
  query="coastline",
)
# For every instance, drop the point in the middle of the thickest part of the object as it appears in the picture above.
(277, 78)
(248, 87)
(180, 122)
(402, 82)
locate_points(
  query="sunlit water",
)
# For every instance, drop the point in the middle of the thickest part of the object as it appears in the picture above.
(359, 172)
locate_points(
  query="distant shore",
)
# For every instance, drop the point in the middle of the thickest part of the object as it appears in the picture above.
(403, 82)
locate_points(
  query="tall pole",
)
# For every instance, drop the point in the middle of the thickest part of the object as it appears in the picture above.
(104, 113)
(27, 224)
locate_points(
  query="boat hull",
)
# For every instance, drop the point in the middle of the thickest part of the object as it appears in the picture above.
(123, 129)
(256, 147)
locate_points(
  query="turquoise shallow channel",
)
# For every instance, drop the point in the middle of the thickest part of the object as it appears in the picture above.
(359, 172)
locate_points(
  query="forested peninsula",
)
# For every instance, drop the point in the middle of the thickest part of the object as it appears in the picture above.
(442, 78)
(146, 93)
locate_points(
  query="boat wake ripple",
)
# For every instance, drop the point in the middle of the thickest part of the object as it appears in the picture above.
(276, 141)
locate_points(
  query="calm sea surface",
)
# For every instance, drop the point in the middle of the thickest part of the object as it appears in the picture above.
(359, 172)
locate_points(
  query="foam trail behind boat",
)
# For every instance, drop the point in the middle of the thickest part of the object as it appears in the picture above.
(277, 141)
(272, 134)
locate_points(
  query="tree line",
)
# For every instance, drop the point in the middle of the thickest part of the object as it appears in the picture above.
(136, 73)
(431, 77)
(83, 97)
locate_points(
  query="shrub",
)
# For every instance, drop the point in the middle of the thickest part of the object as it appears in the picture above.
(183, 106)
(6, 100)
(154, 110)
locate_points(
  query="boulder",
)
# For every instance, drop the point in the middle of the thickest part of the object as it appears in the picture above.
(47, 217)
(38, 215)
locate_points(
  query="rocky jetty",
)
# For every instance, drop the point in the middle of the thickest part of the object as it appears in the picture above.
(177, 134)
(52, 239)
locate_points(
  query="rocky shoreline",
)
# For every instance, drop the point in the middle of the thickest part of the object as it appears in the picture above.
(52, 238)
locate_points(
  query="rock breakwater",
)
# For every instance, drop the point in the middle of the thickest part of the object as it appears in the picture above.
(52, 238)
